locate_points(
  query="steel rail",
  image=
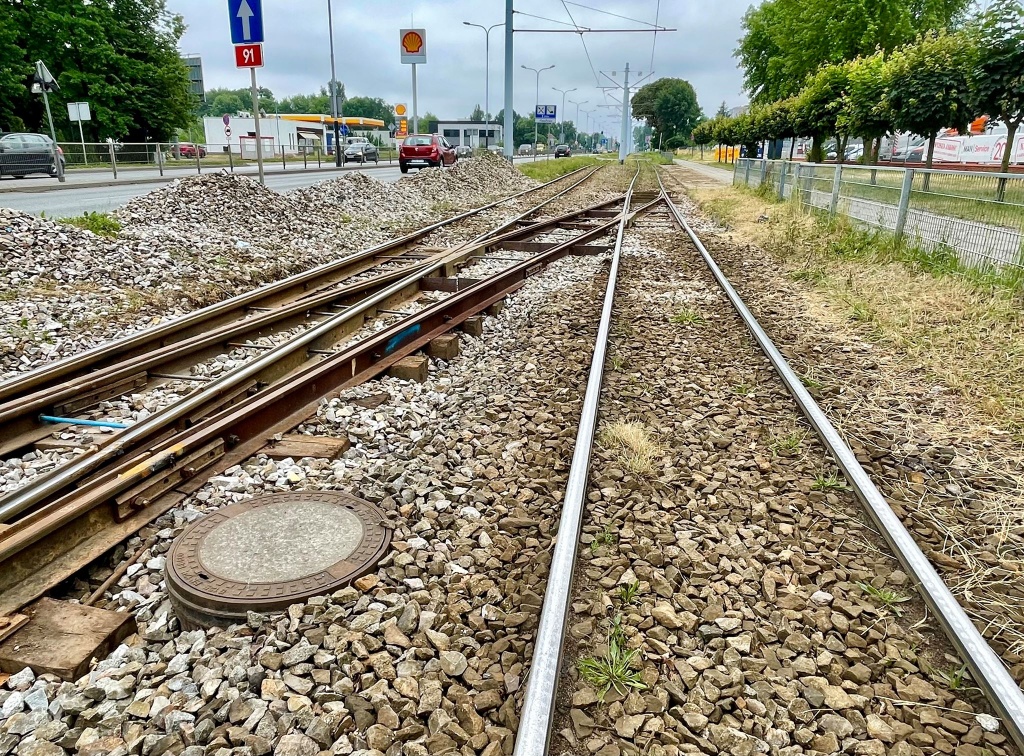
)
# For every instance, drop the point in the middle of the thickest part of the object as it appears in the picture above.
(63, 477)
(216, 314)
(535, 719)
(19, 417)
(57, 538)
(986, 667)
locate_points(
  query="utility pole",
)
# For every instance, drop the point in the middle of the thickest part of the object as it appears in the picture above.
(561, 119)
(508, 128)
(536, 103)
(624, 142)
(334, 91)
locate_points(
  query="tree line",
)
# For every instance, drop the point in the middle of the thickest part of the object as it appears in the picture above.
(120, 56)
(929, 68)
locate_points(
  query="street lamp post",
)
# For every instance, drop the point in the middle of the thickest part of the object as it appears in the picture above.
(536, 103)
(577, 121)
(334, 91)
(487, 75)
(586, 114)
(561, 120)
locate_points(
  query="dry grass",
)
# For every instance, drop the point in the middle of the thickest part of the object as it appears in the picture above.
(635, 446)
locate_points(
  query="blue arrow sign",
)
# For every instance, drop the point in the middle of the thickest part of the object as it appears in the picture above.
(246, 17)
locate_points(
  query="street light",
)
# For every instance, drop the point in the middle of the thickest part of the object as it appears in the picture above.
(334, 92)
(536, 103)
(487, 75)
(561, 131)
(587, 113)
(577, 121)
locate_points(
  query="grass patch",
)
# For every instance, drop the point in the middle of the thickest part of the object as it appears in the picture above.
(687, 317)
(830, 482)
(100, 224)
(607, 537)
(786, 444)
(628, 593)
(615, 668)
(887, 597)
(635, 446)
(547, 170)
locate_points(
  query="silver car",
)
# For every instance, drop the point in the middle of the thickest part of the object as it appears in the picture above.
(361, 152)
(463, 151)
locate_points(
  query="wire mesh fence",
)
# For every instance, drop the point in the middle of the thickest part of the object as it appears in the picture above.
(977, 216)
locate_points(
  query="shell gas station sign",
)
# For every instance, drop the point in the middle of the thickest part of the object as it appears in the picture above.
(414, 45)
(401, 120)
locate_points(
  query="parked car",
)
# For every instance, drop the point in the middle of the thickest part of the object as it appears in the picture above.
(22, 154)
(425, 151)
(188, 150)
(464, 151)
(562, 150)
(360, 152)
(496, 149)
(525, 149)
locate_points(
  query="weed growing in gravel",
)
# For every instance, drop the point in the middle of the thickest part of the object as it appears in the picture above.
(811, 274)
(607, 537)
(743, 389)
(953, 677)
(687, 317)
(628, 593)
(637, 450)
(789, 443)
(887, 597)
(619, 361)
(810, 382)
(830, 482)
(614, 669)
(100, 224)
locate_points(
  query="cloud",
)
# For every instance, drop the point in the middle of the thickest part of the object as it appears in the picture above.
(366, 39)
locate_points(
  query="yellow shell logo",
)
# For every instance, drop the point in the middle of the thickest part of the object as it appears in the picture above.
(412, 43)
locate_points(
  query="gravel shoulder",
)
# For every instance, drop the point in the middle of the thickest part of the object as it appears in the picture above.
(726, 568)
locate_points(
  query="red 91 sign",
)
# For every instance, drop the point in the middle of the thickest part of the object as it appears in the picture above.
(249, 56)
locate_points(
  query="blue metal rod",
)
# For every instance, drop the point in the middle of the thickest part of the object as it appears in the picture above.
(76, 421)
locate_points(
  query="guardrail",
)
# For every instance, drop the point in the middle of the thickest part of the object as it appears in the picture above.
(978, 217)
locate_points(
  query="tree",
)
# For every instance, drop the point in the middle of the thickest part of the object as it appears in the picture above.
(478, 114)
(426, 118)
(369, 107)
(864, 112)
(704, 134)
(820, 103)
(669, 106)
(785, 41)
(723, 111)
(998, 76)
(929, 86)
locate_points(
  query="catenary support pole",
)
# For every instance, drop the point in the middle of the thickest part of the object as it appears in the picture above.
(508, 125)
(334, 90)
(256, 120)
(624, 137)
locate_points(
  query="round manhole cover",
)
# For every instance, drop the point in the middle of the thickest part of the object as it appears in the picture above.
(267, 553)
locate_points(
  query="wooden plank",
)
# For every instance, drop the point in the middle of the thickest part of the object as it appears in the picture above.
(61, 638)
(296, 446)
(10, 624)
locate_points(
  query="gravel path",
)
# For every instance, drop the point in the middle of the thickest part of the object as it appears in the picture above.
(728, 565)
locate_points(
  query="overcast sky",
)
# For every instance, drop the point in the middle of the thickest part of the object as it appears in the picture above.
(366, 42)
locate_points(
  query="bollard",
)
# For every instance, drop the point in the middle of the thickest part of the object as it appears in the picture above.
(284, 167)
(304, 158)
(318, 156)
(113, 160)
(160, 158)
(835, 190)
(904, 206)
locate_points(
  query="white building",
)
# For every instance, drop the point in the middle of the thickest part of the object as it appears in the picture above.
(286, 131)
(476, 134)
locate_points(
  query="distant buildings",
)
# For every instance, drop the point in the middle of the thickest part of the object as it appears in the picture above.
(194, 63)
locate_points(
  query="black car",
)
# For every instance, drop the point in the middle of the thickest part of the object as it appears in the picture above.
(563, 150)
(22, 154)
(361, 152)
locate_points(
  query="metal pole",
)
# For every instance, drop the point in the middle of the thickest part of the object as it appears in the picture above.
(334, 90)
(160, 158)
(415, 104)
(113, 160)
(53, 133)
(198, 168)
(81, 138)
(256, 113)
(624, 141)
(782, 180)
(901, 213)
(487, 86)
(536, 104)
(836, 183)
(508, 128)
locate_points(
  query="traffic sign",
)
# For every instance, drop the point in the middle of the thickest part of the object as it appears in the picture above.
(246, 18)
(344, 130)
(227, 131)
(546, 113)
(414, 45)
(226, 118)
(248, 56)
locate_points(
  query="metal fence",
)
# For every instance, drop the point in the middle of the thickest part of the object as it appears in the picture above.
(977, 216)
(160, 156)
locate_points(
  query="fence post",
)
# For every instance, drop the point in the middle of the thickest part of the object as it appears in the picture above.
(304, 166)
(901, 213)
(231, 159)
(798, 184)
(746, 171)
(113, 160)
(160, 159)
(835, 190)
(318, 156)
(284, 167)
(198, 167)
(782, 179)
(764, 171)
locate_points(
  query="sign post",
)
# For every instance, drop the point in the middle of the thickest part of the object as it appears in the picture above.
(414, 52)
(79, 111)
(246, 18)
(44, 82)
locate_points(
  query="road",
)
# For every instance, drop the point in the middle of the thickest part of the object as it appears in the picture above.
(99, 193)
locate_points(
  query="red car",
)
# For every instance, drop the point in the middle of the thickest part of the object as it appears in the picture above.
(188, 150)
(425, 151)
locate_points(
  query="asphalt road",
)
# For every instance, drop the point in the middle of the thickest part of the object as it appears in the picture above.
(93, 192)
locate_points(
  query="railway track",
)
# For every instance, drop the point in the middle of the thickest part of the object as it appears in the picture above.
(62, 520)
(538, 714)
